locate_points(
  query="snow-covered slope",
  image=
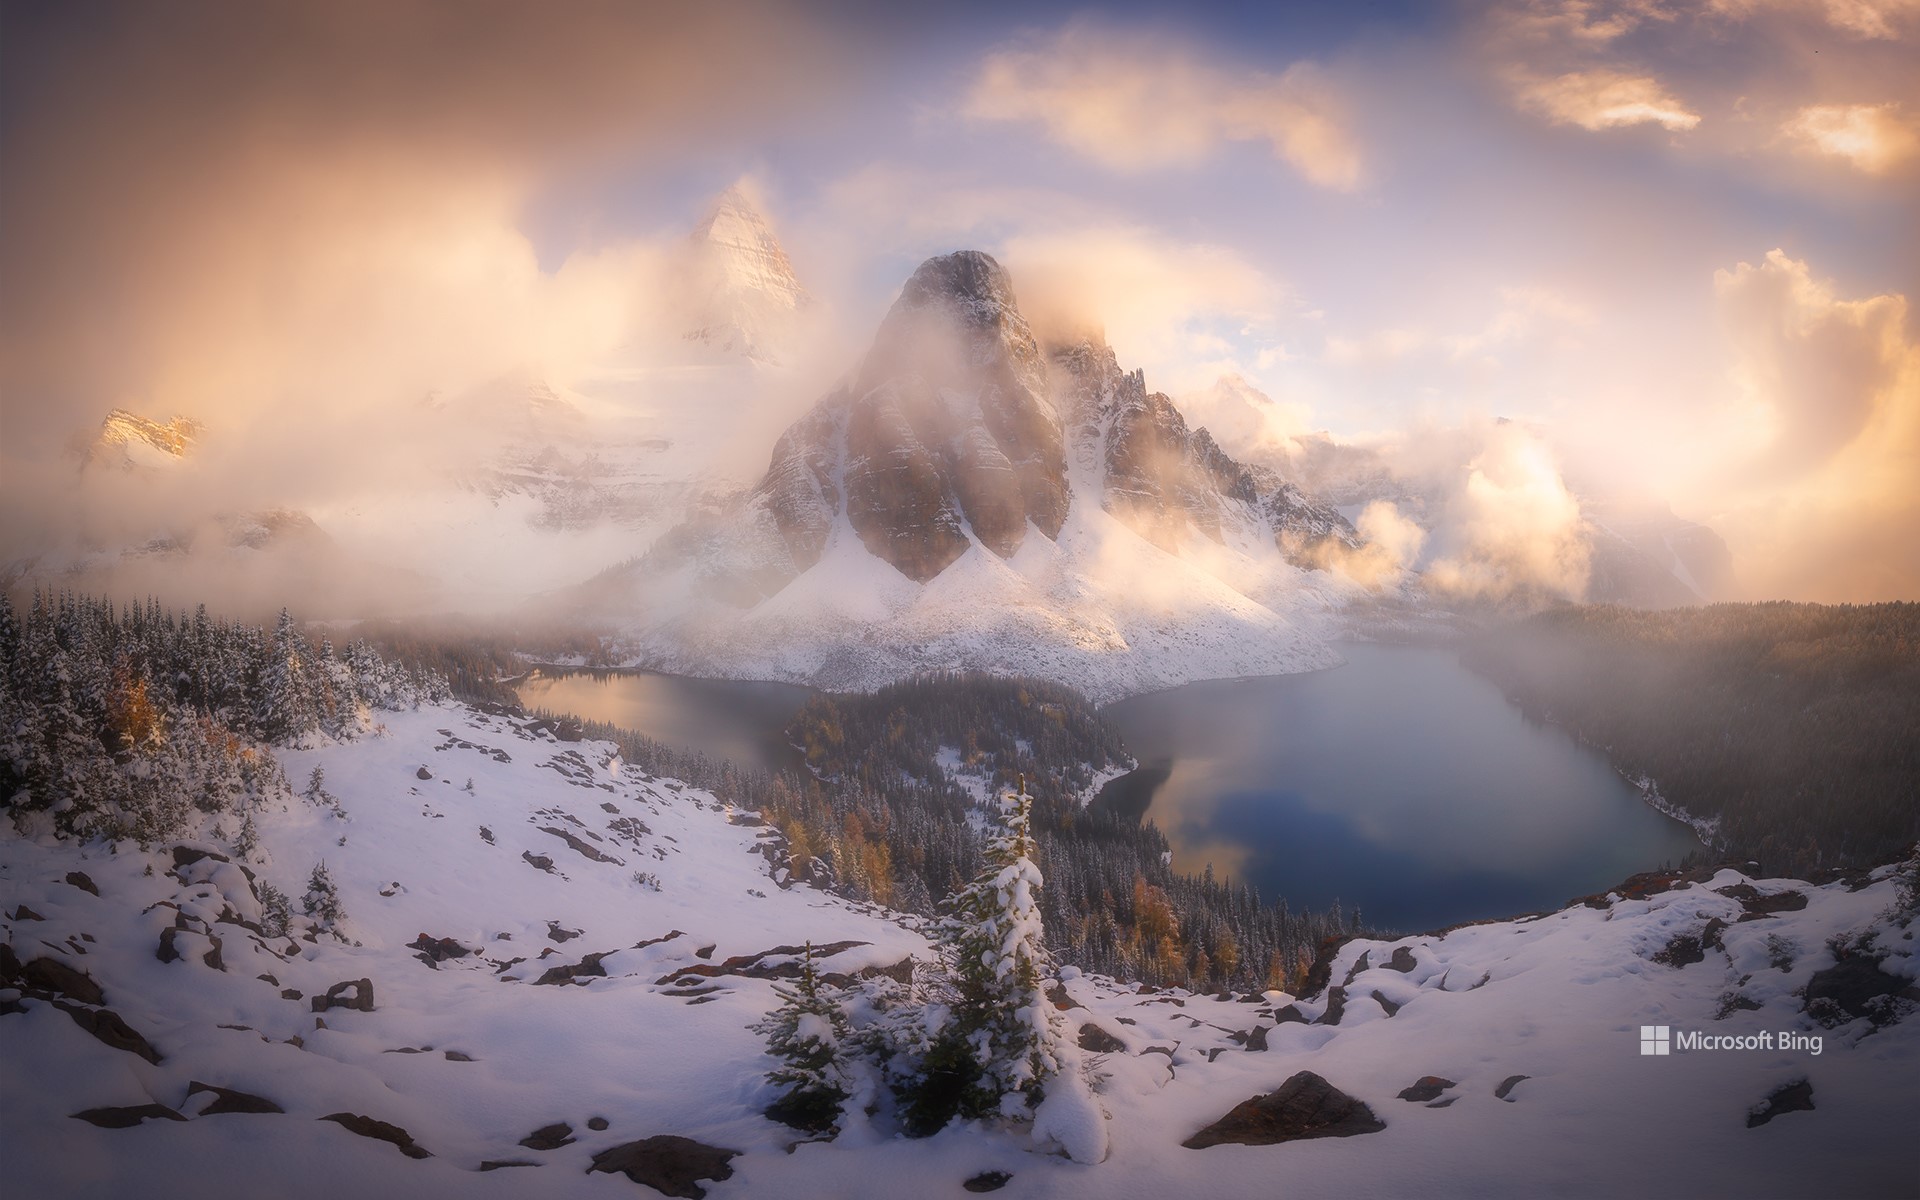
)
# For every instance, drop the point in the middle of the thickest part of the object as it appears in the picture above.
(642, 1024)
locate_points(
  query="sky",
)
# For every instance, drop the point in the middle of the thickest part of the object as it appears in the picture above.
(1675, 242)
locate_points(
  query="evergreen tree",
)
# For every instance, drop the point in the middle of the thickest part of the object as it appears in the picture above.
(806, 1033)
(322, 901)
(993, 949)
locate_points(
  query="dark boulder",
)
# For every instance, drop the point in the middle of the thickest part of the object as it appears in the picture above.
(1099, 1041)
(433, 951)
(53, 977)
(671, 1165)
(1425, 1088)
(228, 1100)
(549, 1137)
(127, 1117)
(106, 1025)
(380, 1131)
(1856, 987)
(1792, 1097)
(336, 997)
(988, 1181)
(1305, 1106)
(1505, 1090)
(81, 880)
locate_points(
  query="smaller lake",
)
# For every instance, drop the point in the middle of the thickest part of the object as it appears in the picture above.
(1401, 784)
(721, 718)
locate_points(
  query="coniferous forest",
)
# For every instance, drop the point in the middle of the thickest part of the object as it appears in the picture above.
(884, 813)
(124, 722)
(1794, 727)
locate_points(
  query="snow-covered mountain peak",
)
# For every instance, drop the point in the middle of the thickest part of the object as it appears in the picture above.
(745, 290)
(127, 440)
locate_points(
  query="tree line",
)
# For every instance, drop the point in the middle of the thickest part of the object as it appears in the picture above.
(126, 722)
(1794, 727)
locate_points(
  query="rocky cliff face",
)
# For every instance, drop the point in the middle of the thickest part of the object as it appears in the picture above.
(945, 432)
(960, 429)
(1166, 481)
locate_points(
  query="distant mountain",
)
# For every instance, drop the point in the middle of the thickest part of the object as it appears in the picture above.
(128, 441)
(971, 498)
(745, 293)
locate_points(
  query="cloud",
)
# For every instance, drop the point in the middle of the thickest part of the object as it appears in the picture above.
(1876, 138)
(1135, 103)
(1524, 313)
(1512, 528)
(1820, 495)
(1163, 303)
(1604, 98)
(304, 211)
(1875, 19)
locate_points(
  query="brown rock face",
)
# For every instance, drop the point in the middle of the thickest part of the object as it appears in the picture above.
(899, 491)
(946, 429)
(1165, 480)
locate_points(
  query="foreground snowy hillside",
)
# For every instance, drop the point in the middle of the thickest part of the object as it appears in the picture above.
(550, 955)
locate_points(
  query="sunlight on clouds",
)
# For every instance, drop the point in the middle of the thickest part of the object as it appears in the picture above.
(1864, 18)
(1829, 509)
(1131, 104)
(1876, 138)
(1605, 99)
(1157, 299)
(1515, 525)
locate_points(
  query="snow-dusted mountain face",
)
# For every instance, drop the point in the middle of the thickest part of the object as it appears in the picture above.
(973, 498)
(747, 296)
(128, 441)
(529, 965)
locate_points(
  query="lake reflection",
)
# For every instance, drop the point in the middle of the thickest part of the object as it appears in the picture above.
(1401, 783)
(742, 722)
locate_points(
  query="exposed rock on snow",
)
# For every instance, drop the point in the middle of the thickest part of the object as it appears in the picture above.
(671, 1165)
(1425, 1088)
(549, 1137)
(1790, 1097)
(1305, 1106)
(127, 1117)
(368, 1127)
(230, 1100)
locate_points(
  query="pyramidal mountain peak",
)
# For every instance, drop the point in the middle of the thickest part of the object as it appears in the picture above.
(744, 289)
(971, 492)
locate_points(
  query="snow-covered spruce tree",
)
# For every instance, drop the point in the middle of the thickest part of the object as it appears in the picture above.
(322, 901)
(806, 1033)
(999, 1042)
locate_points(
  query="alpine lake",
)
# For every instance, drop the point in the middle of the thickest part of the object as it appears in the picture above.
(1400, 784)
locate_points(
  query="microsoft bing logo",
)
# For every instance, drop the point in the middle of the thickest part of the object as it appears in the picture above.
(1655, 1039)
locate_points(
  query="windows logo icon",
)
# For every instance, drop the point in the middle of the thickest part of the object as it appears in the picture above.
(1655, 1039)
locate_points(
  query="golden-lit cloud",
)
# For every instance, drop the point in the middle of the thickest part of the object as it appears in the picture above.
(1604, 98)
(1820, 494)
(1513, 527)
(1157, 299)
(285, 213)
(1876, 138)
(1879, 19)
(1133, 103)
